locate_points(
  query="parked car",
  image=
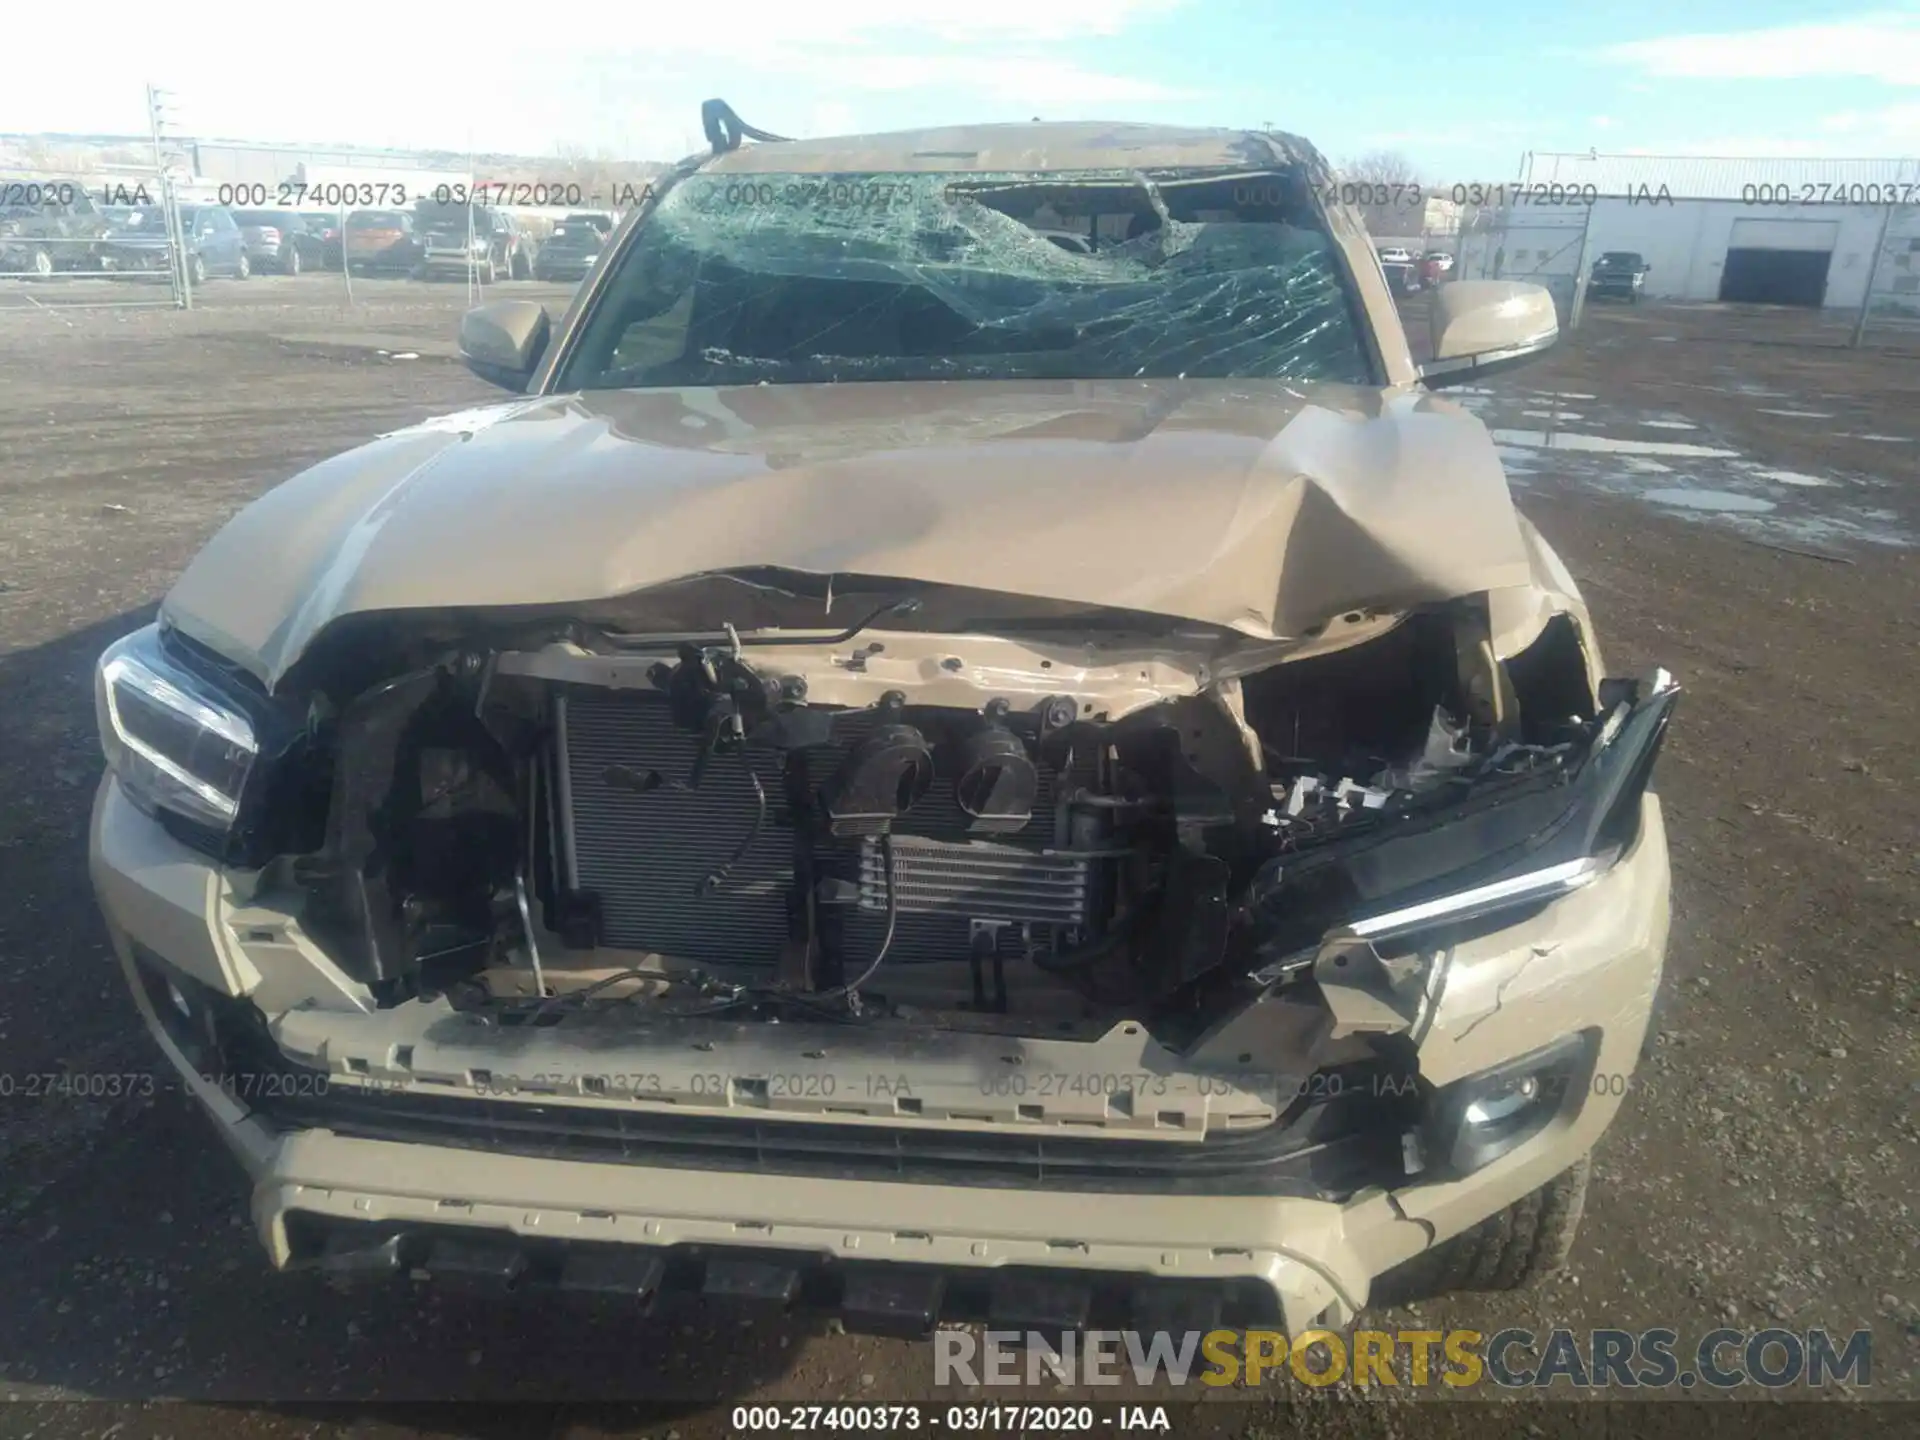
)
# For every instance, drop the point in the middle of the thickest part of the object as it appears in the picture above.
(930, 784)
(481, 238)
(1435, 266)
(48, 227)
(1618, 274)
(326, 224)
(279, 240)
(1401, 270)
(380, 242)
(214, 244)
(572, 247)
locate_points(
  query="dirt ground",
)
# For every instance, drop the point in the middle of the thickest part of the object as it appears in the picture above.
(1763, 1171)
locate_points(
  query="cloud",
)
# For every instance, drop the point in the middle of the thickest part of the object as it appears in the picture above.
(371, 72)
(1603, 122)
(1883, 46)
(387, 40)
(1032, 82)
(1889, 132)
(1894, 126)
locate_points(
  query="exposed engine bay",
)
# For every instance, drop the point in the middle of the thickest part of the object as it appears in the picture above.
(1020, 830)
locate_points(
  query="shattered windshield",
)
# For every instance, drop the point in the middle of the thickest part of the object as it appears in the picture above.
(743, 279)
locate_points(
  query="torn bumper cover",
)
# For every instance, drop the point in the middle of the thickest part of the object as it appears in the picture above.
(384, 1139)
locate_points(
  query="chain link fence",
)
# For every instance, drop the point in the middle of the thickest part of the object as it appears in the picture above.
(90, 239)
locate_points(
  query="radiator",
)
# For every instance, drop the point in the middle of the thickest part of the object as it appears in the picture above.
(644, 855)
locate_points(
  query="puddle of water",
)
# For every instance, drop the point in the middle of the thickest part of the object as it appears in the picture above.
(1883, 439)
(1721, 500)
(1686, 478)
(1790, 477)
(1607, 445)
(1668, 339)
(1798, 414)
(1560, 395)
(1824, 529)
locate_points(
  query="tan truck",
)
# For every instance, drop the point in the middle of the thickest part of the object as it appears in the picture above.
(912, 767)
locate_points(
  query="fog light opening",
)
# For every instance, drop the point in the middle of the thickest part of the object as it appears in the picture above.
(1476, 1120)
(1504, 1102)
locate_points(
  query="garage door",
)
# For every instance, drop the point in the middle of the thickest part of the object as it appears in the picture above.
(1785, 235)
(1779, 262)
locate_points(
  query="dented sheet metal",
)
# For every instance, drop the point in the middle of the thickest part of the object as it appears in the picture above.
(1265, 508)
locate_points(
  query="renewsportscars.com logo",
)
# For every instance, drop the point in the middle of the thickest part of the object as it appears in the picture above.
(1721, 1359)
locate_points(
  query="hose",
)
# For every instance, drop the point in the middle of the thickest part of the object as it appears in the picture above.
(725, 129)
(852, 989)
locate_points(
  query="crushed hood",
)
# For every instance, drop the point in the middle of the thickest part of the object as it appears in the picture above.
(1262, 507)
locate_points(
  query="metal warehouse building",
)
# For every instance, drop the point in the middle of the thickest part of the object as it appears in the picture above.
(1787, 232)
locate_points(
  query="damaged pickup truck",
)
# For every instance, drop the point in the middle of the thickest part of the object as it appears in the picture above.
(914, 767)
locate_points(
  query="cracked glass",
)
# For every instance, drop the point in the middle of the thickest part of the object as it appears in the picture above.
(768, 278)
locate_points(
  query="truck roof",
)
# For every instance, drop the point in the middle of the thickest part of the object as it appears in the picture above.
(1057, 145)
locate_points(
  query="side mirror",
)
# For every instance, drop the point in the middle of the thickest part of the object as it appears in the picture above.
(1484, 326)
(503, 340)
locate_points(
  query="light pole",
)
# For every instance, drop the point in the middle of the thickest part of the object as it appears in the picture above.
(157, 117)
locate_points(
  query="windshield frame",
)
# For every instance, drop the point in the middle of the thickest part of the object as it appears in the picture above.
(562, 357)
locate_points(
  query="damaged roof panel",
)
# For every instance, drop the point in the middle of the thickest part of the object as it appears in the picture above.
(1064, 145)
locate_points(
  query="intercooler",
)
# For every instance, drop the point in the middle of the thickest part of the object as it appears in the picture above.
(645, 844)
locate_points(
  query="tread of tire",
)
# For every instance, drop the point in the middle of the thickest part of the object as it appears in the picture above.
(1522, 1243)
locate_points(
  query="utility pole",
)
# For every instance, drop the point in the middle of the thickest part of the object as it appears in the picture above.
(169, 202)
(1873, 274)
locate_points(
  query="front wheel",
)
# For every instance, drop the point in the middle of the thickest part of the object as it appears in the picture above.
(40, 263)
(197, 268)
(1525, 1242)
(290, 261)
(244, 269)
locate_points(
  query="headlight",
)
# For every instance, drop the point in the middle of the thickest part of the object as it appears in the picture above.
(173, 740)
(1512, 893)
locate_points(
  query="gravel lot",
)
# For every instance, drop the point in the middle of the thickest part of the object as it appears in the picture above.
(1755, 533)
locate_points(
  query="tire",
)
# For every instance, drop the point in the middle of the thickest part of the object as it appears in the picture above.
(489, 272)
(290, 261)
(522, 267)
(1520, 1245)
(40, 263)
(243, 270)
(197, 268)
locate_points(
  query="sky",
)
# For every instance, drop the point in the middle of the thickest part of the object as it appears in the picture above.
(1461, 92)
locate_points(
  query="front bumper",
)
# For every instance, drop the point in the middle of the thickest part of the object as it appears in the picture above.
(453, 259)
(141, 259)
(1588, 964)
